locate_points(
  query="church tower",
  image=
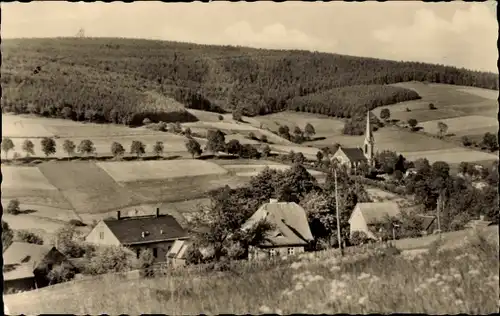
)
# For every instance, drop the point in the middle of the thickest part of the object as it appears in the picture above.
(369, 141)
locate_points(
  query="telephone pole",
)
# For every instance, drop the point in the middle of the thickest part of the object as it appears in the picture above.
(438, 210)
(338, 217)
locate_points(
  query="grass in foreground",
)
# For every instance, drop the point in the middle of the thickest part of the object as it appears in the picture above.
(464, 280)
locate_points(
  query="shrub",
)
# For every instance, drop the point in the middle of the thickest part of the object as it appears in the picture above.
(220, 117)
(61, 273)
(77, 222)
(29, 237)
(108, 259)
(13, 207)
(263, 139)
(432, 106)
(359, 238)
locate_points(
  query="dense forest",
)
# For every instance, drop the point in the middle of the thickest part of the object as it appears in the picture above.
(103, 79)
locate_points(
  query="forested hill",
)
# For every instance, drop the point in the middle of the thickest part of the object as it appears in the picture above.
(103, 79)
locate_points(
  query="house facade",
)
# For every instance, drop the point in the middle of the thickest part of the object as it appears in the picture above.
(156, 233)
(366, 216)
(291, 233)
(353, 157)
(26, 266)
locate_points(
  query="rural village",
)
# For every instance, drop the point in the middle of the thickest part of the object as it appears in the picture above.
(220, 179)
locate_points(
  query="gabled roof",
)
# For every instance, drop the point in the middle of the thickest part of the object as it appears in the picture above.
(478, 223)
(427, 221)
(353, 153)
(23, 252)
(375, 212)
(290, 221)
(23, 258)
(130, 230)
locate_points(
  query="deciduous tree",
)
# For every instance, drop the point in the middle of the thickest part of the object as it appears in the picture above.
(117, 149)
(385, 114)
(86, 147)
(138, 148)
(48, 146)
(193, 147)
(28, 147)
(7, 145)
(69, 147)
(158, 148)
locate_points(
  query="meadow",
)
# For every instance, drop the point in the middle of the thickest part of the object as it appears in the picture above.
(87, 187)
(450, 101)
(470, 125)
(463, 280)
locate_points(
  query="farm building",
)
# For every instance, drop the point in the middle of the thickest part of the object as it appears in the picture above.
(156, 232)
(26, 266)
(429, 224)
(366, 215)
(291, 234)
(478, 223)
(353, 157)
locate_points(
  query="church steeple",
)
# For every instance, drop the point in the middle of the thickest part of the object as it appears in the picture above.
(369, 140)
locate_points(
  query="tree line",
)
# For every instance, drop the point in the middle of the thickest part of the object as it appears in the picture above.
(104, 79)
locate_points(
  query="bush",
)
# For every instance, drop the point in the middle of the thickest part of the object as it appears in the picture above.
(77, 223)
(432, 106)
(220, 117)
(29, 237)
(13, 207)
(263, 139)
(108, 259)
(359, 238)
(61, 273)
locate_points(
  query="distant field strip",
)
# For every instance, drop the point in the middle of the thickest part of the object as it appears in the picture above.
(87, 187)
(462, 124)
(156, 170)
(455, 155)
(24, 178)
(483, 93)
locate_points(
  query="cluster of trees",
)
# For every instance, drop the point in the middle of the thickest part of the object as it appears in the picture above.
(351, 101)
(460, 200)
(85, 147)
(218, 226)
(299, 136)
(357, 124)
(105, 79)
(489, 142)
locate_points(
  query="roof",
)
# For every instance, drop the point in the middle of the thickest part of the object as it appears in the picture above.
(353, 153)
(427, 221)
(478, 223)
(23, 252)
(179, 249)
(24, 257)
(292, 227)
(129, 230)
(375, 212)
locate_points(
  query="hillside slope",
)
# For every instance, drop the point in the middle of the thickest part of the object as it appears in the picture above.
(104, 79)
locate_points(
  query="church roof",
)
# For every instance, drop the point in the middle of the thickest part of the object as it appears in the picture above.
(353, 153)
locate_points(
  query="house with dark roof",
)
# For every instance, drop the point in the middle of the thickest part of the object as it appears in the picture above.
(366, 215)
(353, 157)
(26, 266)
(291, 233)
(155, 232)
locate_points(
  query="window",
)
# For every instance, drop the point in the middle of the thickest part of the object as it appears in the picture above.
(272, 252)
(366, 148)
(155, 252)
(291, 251)
(101, 235)
(138, 252)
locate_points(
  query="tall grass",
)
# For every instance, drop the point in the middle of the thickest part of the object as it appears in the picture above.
(463, 280)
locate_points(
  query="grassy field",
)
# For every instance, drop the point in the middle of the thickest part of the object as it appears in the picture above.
(324, 126)
(464, 125)
(87, 187)
(25, 178)
(131, 171)
(462, 280)
(452, 156)
(451, 101)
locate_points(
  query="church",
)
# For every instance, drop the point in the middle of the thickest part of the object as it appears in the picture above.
(353, 157)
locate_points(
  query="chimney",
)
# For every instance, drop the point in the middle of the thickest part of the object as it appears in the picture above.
(118, 215)
(143, 234)
(481, 217)
(157, 212)
(161, 231)
(273, 201)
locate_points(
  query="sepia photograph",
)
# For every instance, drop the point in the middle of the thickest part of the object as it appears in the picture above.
(217, 157)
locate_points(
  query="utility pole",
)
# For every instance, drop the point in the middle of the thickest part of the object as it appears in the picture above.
(338, 217)
(438, 210)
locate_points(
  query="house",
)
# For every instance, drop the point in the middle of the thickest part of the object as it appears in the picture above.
(429, 224)
(366, 215)
(157, 232)
(291, 233)
(26, 266)
(478, 223)
(176, 257)
(353, 157)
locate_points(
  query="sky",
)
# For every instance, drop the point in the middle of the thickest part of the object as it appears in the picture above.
(457, 33)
